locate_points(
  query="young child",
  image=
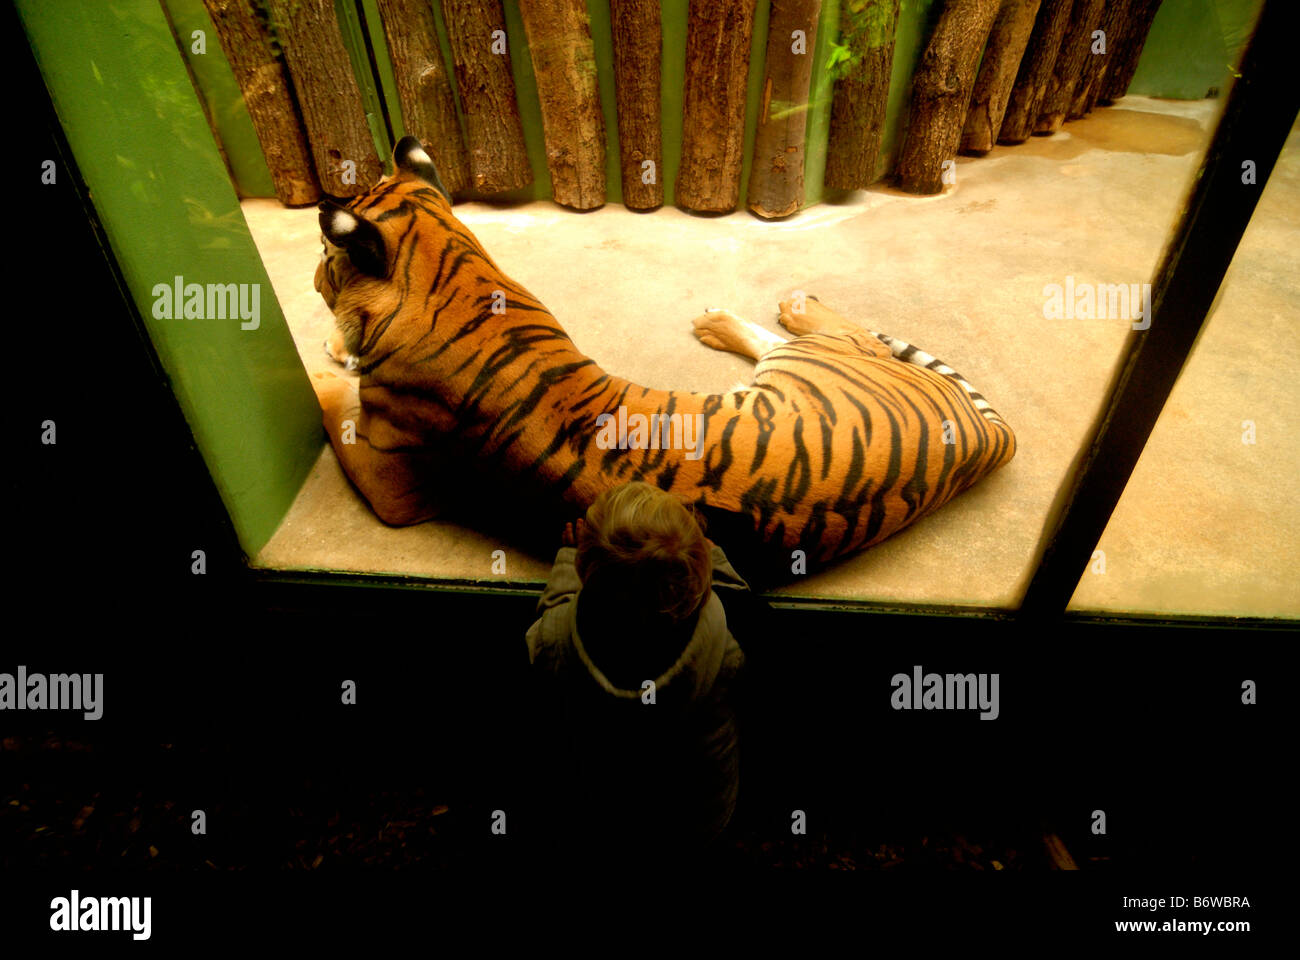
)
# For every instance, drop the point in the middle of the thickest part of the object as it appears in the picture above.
(633, 647)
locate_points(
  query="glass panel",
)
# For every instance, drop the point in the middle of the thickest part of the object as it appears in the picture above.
(1004, 276)
(965, 275)
(1210, 520)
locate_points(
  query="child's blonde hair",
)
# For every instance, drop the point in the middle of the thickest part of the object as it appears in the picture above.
(644, 549)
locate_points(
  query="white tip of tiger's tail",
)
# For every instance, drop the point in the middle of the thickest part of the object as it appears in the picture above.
(909, 354)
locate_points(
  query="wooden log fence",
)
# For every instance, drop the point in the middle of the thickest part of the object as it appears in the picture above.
(638, 48)
(1094, 69)
(1008, 41)
(1076, 47)
(268, 97)
(1041, 63)
(424, 88)
(713, 104)
(776, 177)
(564, 62)
(498, 157)
(941, 93)
(1035, 71)
(342, 148)
(1142, 13)
(861, 93)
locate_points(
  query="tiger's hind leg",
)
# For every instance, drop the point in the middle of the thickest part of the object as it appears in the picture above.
(723, 330)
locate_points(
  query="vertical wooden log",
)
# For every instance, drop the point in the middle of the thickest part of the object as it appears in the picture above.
(1035, 70)
(1082, 93)
(941, 92)
(638, 46)
(262, 80)
(776, 176)
(564, 62)
(713, 104)
(1142, 13)
(1094, 89)
(1076, 47)
(498, 158)
(1094, 68)
(1091, 92)
(328, 95)
(861, 93)
(423, 87)
(1006, 48)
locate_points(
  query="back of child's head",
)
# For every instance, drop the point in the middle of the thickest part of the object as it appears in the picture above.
(646, 574)
(642, 553)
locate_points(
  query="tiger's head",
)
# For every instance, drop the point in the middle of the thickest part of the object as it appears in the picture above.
(381, 252)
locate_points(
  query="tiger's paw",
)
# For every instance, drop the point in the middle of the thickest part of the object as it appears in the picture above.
(332, 391)
(807, 314)
(723, 330)
(338, 352)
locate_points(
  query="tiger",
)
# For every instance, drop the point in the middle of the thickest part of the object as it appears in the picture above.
(472, 396)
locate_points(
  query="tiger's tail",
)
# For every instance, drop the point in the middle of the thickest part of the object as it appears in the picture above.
(909, 354)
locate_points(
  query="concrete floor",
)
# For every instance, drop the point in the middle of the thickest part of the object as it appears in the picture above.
(961, 275)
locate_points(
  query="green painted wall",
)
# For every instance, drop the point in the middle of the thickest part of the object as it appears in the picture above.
(163, 195)
(1194, 46)
(672, 78)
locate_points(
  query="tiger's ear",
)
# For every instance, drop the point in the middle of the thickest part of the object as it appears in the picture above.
(358, 236)
(410, 155)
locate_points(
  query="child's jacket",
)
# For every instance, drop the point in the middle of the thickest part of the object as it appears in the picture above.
(660, 772)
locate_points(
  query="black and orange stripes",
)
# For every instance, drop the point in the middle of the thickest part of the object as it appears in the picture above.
(842, 440)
